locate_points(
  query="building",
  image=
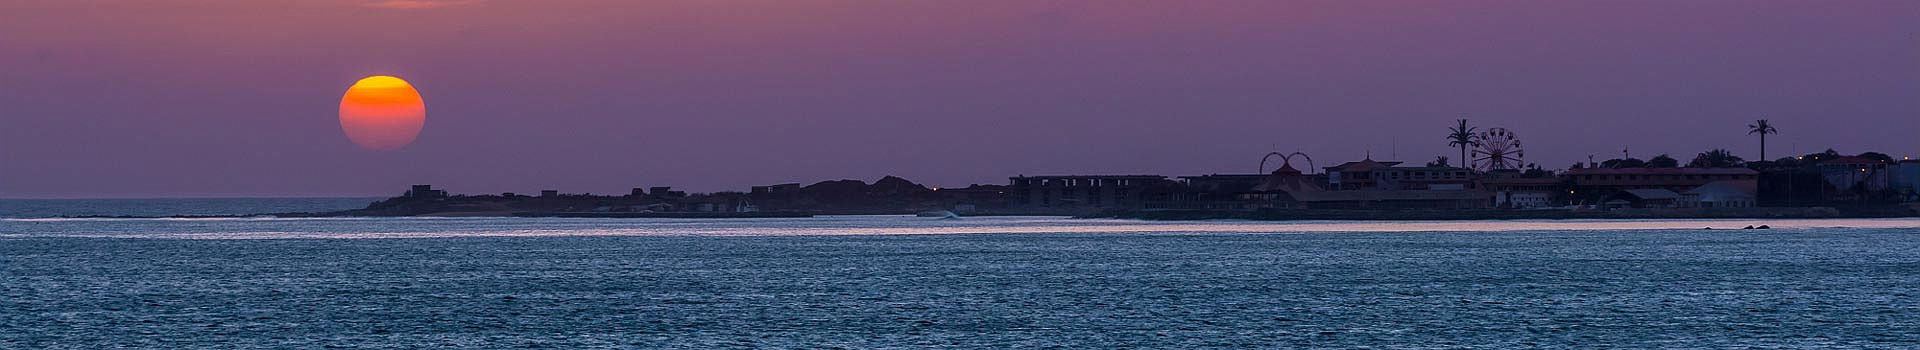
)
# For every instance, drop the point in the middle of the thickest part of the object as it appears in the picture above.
(1906, 179)
(975, 197)
(1355, 175)
(1088, 192)
(1244, 191)
(425, 191)
(1723, 194)
(775, 189)
(723, 202)
(1523, 192)
(1672, 179)
(1856, 174)
(1287, 188)
(665, 192)
(1422, 178)
(1222, 191)
(1368, 174)
(1226, 182)
(1393, 199)
(1598, 185)
(549, 193)
(1281, 189)
(1644, 198)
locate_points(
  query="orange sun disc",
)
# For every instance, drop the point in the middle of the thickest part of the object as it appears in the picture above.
(382, 112)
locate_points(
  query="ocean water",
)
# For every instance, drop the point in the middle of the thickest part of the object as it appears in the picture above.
(40, 208)
(998, 282)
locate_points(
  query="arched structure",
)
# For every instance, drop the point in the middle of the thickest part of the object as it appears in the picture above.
(1287, 159)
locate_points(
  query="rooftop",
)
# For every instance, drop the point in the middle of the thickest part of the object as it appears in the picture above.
(1387, 195)
(1289, 180)
(1852, 160)
(1092, 177)
(1653, 193)
(1363, 165)
(1427, 168)
(1742, 187)
(1520, 180)
(1210, 176)
(1660, 171)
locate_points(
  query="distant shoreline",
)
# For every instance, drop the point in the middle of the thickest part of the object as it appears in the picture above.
(1499, 214)
(1181, 215)
(674, 215)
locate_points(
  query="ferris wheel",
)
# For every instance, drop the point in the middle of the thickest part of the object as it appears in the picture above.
(1497, 149)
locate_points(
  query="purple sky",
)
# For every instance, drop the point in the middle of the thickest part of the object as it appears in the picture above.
(239, 98)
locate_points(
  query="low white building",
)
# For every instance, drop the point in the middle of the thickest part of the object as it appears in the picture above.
(1522, 192)
(1522, 199)
(1723, 194)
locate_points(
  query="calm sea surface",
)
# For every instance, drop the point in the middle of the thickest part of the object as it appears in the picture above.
(891, 282)
(40, 208)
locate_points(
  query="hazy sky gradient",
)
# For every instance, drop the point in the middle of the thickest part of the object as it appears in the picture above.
(214, 98)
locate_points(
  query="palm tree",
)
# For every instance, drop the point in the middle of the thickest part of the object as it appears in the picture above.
(1462, 136)
(1763, 128)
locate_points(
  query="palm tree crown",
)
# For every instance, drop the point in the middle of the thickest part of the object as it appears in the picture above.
(1763, 128)
(1462, 136)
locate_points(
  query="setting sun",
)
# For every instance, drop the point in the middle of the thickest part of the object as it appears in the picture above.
(382, 112)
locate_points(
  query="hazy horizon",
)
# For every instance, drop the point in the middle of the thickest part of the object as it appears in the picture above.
(144, 99)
